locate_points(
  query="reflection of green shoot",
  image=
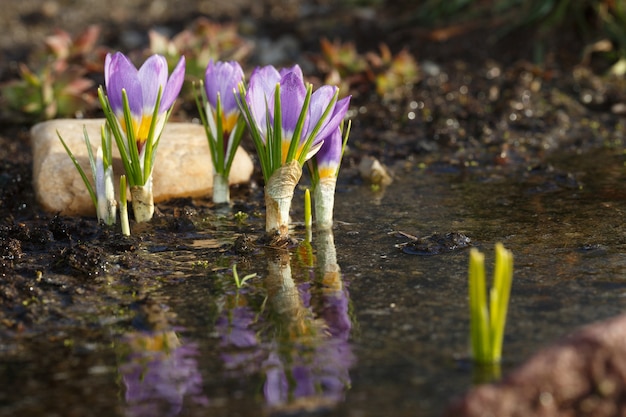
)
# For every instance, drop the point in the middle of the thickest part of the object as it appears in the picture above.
(487, 321)
(308, 217)
(239, 282)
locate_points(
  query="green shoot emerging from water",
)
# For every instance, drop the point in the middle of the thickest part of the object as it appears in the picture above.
(488, 314)
(240, 282)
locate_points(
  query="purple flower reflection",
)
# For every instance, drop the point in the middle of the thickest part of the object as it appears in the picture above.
(298, 342)
(321, 374)
(239, 345)
(335, 314)
(315, 369)
(160, 375)
(234, 328)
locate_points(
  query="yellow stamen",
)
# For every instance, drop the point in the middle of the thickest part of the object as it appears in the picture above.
(144, 128)
(285, 149)
(229, 121)
(141, 132)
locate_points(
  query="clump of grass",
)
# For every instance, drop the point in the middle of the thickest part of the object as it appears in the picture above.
(488, 313)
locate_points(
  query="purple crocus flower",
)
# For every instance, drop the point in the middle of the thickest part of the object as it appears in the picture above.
(329, 156)
(293, 91)
(221, 79)
(324, 169)
(142, 88)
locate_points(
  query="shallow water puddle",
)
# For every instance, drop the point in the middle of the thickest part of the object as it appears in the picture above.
(367, 330)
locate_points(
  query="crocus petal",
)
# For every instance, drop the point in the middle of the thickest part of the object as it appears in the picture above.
(334, 120)
(320, 99)
(260, 95)
(173, 86)
(221, 78)
(212, 83)
(315, 148)
(329, 156)
(120, 74)
(292, 94)
(152, 76)
(295, 69)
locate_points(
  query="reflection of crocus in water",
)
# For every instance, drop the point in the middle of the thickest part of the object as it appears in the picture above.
(335, 299)
(223, 126)
(159, 372)
(239, 344)
(137, 105)
(307, 376)
(308, 363)
(288, 123)
(298, 341)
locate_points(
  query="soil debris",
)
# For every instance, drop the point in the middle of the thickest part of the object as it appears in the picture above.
(435, 244)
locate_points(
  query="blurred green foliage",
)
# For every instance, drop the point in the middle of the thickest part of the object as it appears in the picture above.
(59, 79)
(592, 20)
(56, 82)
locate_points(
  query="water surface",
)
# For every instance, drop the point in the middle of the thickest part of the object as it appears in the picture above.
(352, 326)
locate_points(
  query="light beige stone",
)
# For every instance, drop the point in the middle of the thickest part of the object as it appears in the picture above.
(183, 166)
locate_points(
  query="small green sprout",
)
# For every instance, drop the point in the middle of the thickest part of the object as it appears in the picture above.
(201, 264)
(240, 282)
(488, 314)
(240, 217)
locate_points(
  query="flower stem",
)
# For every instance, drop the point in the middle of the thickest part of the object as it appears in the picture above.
(107, 206)
(143, 201)
(124, 207)
(324, 195)
(279, 192)
(221, 190)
